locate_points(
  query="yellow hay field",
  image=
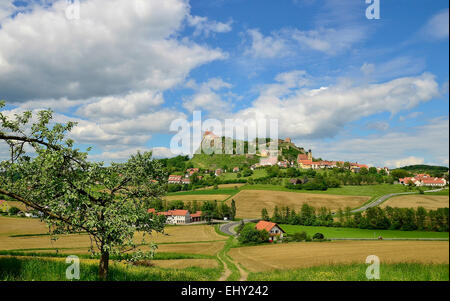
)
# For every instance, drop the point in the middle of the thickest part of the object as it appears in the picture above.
(197, 197)
(300, 255)
(185, 263)
(429, 202)
(21, 226)
(249, 203)
(209, 248)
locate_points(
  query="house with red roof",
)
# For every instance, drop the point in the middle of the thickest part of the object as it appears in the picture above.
(179, 216)
(275, 231)
(174, 179)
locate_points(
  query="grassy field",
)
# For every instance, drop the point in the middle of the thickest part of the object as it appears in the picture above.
(429, 202)
(249, 203)
(357, 272)
(331, 232)
(27, 269)
(442, 192)
(302, 255)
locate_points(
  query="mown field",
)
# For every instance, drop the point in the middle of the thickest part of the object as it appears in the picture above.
(30, 235)
(337, 232)
(303, 255)
(357, 272)
(429, 202)
(249, 203)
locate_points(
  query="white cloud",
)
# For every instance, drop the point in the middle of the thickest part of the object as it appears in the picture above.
(117, 46)
(266, 47)
(412, 115)
(122, 155)
(204, 26)
(128, 106)
(405, 162)
(287, 41)
(437, 26)
(206, 97)
(324, 112)
(429, 142)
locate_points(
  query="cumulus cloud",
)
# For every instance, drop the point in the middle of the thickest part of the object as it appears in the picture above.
(323, 112)
(206, 27)
(115, 47)
(266, 46)
(405, 162)
(116, 156)
(207, 98)
(429, 141)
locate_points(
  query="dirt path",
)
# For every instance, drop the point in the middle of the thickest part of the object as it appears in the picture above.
(227, 271)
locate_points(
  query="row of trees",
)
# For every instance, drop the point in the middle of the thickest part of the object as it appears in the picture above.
(210, 209)
(406, 219)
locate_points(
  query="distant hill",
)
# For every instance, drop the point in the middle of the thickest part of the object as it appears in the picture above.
(432, 170)
(423, 167)
(287, 151)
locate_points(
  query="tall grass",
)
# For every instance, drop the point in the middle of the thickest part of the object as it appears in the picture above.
(25, 269)
(357, 272)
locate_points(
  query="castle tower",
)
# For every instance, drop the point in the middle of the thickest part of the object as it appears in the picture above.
(310, 155)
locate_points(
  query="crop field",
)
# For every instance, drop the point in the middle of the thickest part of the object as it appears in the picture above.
(304, 255)
(207, 248)
(338, 232)
(249, 203)
(30, 234)
(429, 202)
(357, 272)
(186, 263)
(197, 197)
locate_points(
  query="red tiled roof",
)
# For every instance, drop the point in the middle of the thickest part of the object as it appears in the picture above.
(433, 181)
(196, 214)
(302, 157)
(264, 225)
(151, 210)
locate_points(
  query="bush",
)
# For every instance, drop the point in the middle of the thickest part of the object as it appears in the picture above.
(299, 236)
(318, 236)
(13, 211)
(250, 235)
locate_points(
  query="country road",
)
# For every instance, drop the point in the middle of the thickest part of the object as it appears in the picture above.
(229, 227)
(385, 197)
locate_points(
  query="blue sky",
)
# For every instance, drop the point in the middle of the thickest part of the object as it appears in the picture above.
(349, 88)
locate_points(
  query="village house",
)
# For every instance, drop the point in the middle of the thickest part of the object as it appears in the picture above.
(218, 172)
(355, 167)
(236, 169)
(191, 171)
(174, 179)
(269, 161)
(179, 216)
(283, 164)
(423, 180)
(275, 231)
(186, 181)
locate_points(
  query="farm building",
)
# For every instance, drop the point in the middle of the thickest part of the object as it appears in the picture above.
(423, 180)
(275, 231)
(174, 179)
(178, 216)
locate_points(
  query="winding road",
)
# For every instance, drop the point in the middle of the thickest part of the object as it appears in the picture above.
(384, 198)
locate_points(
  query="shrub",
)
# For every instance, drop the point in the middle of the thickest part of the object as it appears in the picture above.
(13, 211)
(318, 236)
(299, 236)
(250, 235)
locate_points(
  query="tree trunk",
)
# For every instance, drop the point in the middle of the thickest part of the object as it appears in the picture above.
(104, 265)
